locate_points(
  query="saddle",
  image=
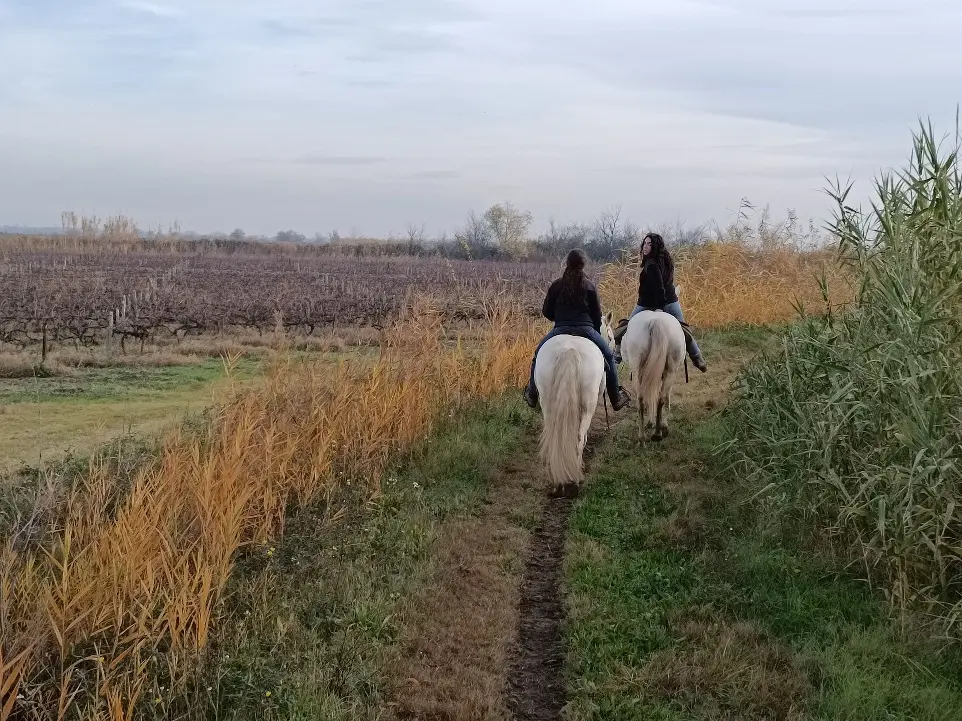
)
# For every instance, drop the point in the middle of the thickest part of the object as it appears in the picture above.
(622, 328)
(575, 330)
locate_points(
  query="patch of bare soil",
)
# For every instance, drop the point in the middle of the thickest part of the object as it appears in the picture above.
(455, 660)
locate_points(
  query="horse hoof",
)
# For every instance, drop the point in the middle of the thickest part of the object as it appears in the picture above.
(566, 490)
(656, 437)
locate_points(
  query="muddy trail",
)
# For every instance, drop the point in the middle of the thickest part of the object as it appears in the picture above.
(489, 644)
(536, 682)
(536, 679)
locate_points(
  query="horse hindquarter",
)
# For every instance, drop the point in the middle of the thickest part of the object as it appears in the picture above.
(653, 372)
(568, 378)
(655, 345)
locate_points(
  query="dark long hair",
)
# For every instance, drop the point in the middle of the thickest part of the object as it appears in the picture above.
(660, 255)
(573, 280)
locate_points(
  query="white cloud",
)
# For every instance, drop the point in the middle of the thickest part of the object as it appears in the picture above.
(371, 113)
(163, 11)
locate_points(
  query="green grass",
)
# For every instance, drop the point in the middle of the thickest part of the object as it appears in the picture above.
(683, 604)
(106, 384)
(44, 420)
(311, 623)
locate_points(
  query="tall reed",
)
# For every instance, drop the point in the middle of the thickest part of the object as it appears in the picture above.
(120, 598)
(732, 282)
(857, 420)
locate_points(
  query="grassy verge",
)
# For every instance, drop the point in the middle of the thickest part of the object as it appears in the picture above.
(683, 605)
(47, 419)
(105, 384)
(311, 625)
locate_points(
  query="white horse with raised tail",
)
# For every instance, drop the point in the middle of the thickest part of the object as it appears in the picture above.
(570, 376)
(653, 345)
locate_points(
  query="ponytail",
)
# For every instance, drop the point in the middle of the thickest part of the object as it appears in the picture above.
(573, 279)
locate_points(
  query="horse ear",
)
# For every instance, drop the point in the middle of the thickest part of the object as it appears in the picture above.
(608, 317)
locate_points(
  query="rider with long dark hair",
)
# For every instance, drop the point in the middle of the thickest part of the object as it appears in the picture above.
(656, 290)
(572, 304)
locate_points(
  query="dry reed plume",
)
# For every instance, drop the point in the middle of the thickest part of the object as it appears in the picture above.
(730, 282)
(116, 600)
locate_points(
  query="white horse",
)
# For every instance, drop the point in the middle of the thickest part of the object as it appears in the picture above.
(653, 345)
(570, 376)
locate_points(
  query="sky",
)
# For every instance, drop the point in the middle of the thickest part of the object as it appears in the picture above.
(366, 115)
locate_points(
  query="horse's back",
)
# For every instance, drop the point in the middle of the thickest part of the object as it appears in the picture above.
(592, 361)
(585, 348)
(638, 333)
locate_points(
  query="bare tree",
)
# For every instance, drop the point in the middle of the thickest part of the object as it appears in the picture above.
(475, 239)
(607, 228)
(559, 239)
(415, 236)
(509, 227)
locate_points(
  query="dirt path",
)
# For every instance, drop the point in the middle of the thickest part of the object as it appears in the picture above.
(536, 682)
(487, 638)
(455, 660)
(536, 679)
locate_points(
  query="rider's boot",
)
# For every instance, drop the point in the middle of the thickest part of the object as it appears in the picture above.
(620, 401)
(531, 390)
(619, 333)
(695, 356)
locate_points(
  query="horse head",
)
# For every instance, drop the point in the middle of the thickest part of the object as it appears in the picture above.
(606, 330)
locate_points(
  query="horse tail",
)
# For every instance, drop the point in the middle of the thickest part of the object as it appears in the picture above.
(653, 373)
(562, 421)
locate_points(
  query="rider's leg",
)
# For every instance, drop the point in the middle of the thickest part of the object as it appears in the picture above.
(619, 336)
(619, 398)
(531, 390)
(693, 350)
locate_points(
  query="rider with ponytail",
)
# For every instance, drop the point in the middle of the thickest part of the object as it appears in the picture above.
(572, 304)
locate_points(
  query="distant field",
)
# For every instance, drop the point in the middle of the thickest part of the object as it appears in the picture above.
(124, 299)
(43, 419)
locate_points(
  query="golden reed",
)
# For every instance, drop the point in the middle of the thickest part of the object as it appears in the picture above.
(86, 612)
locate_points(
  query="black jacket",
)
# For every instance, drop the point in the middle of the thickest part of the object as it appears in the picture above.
(585, 313)
(655, 291)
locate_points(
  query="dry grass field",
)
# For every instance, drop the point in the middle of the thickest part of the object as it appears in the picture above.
(335, 453)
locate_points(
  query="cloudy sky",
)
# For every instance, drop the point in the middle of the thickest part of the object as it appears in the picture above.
(369, 114)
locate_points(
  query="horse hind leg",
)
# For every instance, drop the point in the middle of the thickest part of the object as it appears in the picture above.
(661, 424)
(641, 415)
(664, 406)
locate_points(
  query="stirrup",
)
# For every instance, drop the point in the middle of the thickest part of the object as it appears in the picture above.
(622, 401)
